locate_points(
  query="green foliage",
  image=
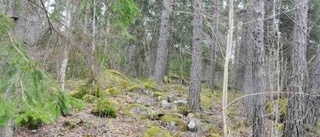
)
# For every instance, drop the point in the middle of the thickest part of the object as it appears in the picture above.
(104, 108)
(29, 96)
(33, 118)
(124, 13)
(156, 132)
(5, 24)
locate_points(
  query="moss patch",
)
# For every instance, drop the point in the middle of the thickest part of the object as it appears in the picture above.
(167, 119)
(206, 101)
(89, 98)
(104, 108)
(156, 132)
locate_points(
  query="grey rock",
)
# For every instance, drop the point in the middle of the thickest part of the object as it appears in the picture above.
(193, 125)
(165, 104)
(180, 102)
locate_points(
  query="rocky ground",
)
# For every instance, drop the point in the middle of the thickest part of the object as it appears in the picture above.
(148, 111)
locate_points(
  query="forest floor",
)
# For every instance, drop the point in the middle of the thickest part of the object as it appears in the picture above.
(147, 110)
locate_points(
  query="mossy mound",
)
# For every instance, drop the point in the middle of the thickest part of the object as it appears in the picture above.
(104, 108)
(89, 98)
(156, 132)
(115, 79)
(77, 94)
(113, 91)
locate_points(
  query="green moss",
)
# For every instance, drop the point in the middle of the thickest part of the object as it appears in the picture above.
(156, 132)
(89, 98)
(206, 101)
(215, 135)
(134, 88)
(166, 79)
(104, 108)
(149, 85)
(184, 110)
(77, 94)
(174, 118)
(127, 109)
(158, 94)
(117, 73)
(113, 91)
(281, 127)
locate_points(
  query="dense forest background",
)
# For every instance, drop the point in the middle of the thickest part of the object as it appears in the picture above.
(188, 67)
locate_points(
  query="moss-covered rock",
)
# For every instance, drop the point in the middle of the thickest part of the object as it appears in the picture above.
(72, 123)
(184, 110)
(156, 132)
(104, 108)
(89, 98)
(168, 118)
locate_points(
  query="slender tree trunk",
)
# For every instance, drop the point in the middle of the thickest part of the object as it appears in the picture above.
(214, 44)
(195, 74)
(162, 51)
(93, 31)
(226, 69)
(299, 72)
(65, 58)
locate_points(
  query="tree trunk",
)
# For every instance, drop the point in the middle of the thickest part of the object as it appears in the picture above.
(244, 71)
(243, 57)
(214, 44)
(258, 71)
(65, 55)
(313, 101)
(162, 51)
(299, 72)
(226, 68)
(195, 74)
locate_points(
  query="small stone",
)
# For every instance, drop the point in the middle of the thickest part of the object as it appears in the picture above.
(190, 115)
(180, 102)
(193, 125)
(165, 104)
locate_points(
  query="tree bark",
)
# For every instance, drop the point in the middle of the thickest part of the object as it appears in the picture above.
(258, 71)
(162, 51)
(214, 36)
(195, 74)
(299, 72)
(313, 101)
